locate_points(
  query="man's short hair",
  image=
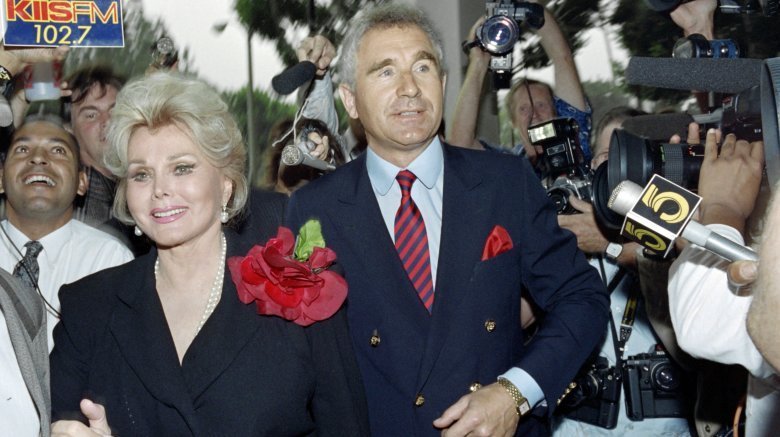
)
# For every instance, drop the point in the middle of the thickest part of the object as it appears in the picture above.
(83, 79)
(524, 84)
(53, 119)
(384, 16)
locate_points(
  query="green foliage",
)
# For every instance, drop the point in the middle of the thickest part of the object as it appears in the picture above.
(133, 59)
(274, 19)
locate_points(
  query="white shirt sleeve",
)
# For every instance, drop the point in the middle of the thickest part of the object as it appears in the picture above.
(708, 318)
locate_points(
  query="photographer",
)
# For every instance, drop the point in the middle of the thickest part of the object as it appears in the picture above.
(529, 102)
(598, 405)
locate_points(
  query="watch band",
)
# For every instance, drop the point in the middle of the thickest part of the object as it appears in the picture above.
(521, 403)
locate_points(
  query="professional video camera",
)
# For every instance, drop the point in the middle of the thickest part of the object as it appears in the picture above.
(595, 398)
(654, 387)
(501, 30)
(768, 7)
(637, 159)
(563, 161)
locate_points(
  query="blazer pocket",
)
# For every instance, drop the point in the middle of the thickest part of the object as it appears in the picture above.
(501, 264)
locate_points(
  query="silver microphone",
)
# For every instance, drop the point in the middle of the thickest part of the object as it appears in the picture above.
(627, 193)
(292, 155)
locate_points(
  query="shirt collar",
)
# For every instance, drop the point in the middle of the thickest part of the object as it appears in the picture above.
(427, 167)
(52, 242)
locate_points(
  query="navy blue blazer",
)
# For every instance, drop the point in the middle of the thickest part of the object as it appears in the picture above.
(244, 374)
(422, 364)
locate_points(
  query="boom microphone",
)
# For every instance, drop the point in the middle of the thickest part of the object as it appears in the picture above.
(292, 78)
(721, 75)
(626, 196)
(292, 155)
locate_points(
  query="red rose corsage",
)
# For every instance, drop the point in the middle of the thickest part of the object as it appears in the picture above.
(289, 278)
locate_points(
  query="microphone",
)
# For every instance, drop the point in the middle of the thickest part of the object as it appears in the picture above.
(721, 75)
(290, 79)
(292, 155)
(648, 220)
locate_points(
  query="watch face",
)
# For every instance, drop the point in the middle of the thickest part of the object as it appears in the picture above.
(614, 249)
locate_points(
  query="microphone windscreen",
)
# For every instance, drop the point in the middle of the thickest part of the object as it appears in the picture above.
(662, 5)
(720, 75)
(659, 127)
(290, 79)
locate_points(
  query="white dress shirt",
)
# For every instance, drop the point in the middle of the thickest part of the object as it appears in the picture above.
(18, 416)
(71, 252)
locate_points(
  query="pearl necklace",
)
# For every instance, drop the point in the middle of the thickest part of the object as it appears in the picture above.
(216, 287)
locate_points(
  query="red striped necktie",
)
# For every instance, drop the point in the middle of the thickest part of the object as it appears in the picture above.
(411, 241)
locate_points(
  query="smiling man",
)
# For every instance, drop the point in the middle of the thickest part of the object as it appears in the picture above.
(436, 243)
(41, 176)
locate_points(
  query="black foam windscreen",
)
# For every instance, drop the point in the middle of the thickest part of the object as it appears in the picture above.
(721, 75)
(659, 127)
(290, 79)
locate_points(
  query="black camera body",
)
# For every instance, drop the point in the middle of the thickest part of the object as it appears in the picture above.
(565, 186)
(501, 30)
(596, 397)
(654, 387)
(560, 141)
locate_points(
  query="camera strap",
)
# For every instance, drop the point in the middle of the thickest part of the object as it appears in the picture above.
(629, 313)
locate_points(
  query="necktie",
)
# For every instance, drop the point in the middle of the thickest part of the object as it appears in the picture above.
(27, 269)
(411, 241)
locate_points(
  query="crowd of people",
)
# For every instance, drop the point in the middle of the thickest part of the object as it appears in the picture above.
(133, 245)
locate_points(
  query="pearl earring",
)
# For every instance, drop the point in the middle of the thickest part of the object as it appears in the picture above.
(223, 216)
(137, 231)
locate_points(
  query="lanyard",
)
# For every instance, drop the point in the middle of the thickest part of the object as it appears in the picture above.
(629, 313)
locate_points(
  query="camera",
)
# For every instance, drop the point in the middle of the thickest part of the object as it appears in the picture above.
(501, 30)
(595, 399)
(562, 161)
(654, 387)
(164, 53)
(698, 46)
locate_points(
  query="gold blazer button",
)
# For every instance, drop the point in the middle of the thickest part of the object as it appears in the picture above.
(490, 325)
(475, 386)
(419, 400)
(375, 339)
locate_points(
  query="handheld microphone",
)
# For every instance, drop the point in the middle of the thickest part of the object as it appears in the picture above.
(292, 78)
(292, 155)
(721, 75)
(649, 222)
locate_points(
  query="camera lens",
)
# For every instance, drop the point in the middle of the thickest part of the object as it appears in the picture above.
(499, 34)
(665, 377)
(636, 159)
(560, 197)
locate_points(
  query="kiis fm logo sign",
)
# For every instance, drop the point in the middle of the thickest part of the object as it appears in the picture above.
(660, 214)
(63, 22)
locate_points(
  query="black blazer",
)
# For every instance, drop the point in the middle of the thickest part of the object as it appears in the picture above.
(424, 363)
(244, 374)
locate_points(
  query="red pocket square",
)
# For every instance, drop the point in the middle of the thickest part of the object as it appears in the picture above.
(497, 243)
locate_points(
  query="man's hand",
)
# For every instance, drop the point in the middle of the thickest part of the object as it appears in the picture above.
(589, 236)
(695, 17)
(742, 273)
(489, 411)
(15, 59)
(98, 425)
(321, 148)
(318, 50)
(729, 182)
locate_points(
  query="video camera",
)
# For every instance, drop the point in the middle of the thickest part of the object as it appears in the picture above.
(501, 30)
(698, 46)
(563, 161)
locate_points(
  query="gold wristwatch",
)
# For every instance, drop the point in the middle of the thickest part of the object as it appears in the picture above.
(521, 403)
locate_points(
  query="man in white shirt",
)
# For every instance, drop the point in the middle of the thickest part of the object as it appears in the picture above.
(708, 317)
(41, 177)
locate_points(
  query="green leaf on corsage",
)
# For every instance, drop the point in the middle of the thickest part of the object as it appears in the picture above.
(309, 237)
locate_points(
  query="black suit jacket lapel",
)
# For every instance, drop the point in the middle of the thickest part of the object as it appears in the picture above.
(224, 334)
(142, 335)
(460, 248)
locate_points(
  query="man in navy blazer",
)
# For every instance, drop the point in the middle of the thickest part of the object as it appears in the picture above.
(463, 365)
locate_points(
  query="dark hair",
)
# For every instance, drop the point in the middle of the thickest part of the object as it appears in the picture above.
(82, 80)
(52, 119)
